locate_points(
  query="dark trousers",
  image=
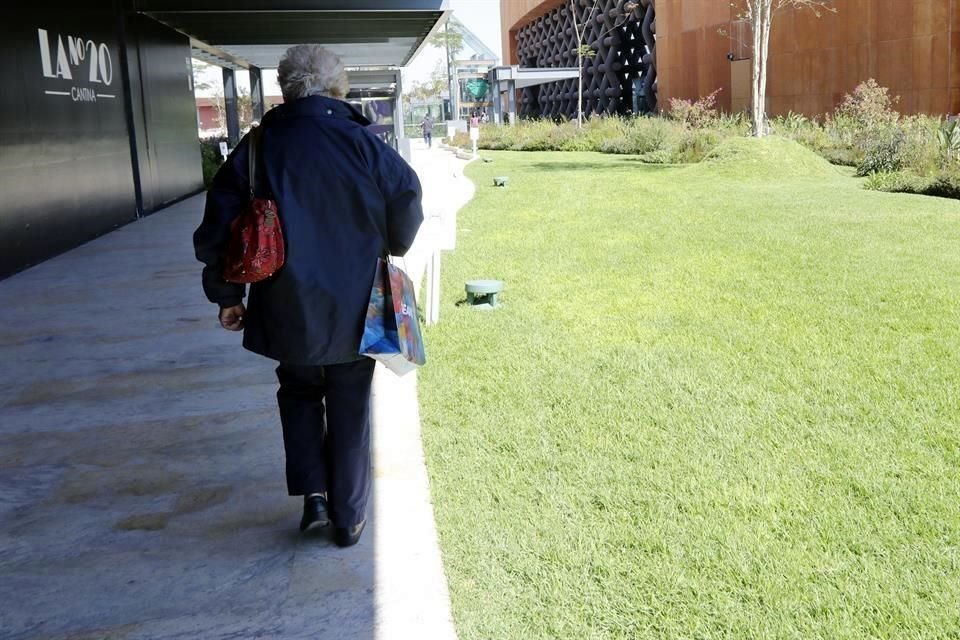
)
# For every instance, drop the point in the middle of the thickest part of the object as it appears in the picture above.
(329, 455)
(429, 138)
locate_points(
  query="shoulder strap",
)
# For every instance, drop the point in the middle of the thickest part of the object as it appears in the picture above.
(252, 151)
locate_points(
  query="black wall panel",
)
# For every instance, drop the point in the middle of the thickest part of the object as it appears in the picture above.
(67, 173)
(164, 112)
(65, 165)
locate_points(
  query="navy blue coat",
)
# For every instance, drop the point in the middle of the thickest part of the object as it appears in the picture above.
(344, 198)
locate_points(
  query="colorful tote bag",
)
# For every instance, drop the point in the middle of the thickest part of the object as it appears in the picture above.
(391, 332)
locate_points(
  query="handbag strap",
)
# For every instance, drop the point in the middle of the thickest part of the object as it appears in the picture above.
(252, 152)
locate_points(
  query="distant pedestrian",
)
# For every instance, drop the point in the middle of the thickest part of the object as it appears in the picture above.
(427, 126)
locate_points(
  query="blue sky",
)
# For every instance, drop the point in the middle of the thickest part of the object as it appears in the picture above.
(482, 17)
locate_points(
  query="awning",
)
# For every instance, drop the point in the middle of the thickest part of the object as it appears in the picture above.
(531, 77)
(241, 33)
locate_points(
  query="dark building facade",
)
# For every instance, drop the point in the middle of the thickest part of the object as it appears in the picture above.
(98, 121)
(97, 125)
(621, 78)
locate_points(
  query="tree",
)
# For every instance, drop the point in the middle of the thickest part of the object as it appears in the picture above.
(244, 108)
(432, 88)
(201, 84)
(452, 41)
(589, 50)
(759, 14)
(202, 72)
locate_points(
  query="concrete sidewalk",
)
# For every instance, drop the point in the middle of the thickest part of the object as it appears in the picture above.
(141, 465)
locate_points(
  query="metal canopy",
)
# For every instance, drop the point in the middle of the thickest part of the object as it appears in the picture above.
(257, 32)
(531, 77)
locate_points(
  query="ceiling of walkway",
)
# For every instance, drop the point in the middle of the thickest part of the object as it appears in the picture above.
(257, 32)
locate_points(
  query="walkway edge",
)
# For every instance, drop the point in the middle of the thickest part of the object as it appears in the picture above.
(412, 599)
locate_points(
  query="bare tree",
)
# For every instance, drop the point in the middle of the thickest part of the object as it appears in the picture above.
(759, 14)
(581, 31)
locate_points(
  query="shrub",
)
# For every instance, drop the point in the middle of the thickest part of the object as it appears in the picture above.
(791, 123)
(881, 151)
(210, 158)
(622, 144)
(494, 137)
(643, 136)
(655, 139)
(799, 128)
(695, 144)
(566, 137)
(736, 124)
(533, 136)
(598, 130)
(867, 122)
(910, 143)
(843, 156)
(864, 132)
(948, 141)
(945, 184)
(461, 140)
(661, 156)
(921, 150)
(869, 106)
(842, 133)
(894, 182)
(696, 114)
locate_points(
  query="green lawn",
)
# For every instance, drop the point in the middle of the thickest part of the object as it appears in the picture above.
(719, 401)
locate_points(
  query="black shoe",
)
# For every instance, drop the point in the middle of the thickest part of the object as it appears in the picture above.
(348, 536)
(314, 513)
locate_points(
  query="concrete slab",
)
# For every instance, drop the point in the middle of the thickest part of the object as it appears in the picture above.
(141, 467)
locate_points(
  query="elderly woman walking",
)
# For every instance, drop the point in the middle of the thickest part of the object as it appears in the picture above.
(344, 199)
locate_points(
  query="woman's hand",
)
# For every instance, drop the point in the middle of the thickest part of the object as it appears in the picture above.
(231, 318)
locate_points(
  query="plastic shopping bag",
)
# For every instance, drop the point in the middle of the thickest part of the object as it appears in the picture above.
(391, 332)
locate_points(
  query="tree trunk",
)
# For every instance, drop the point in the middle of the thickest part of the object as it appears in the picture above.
(450, 88)
(579, 90)
(759, 64)
(765, 49)
(576, 32)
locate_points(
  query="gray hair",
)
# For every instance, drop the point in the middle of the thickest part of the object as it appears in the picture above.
(311, 70)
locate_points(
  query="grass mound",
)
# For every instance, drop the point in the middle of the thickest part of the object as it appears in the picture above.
(770, 157)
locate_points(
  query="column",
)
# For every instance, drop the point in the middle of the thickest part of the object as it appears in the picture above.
(398, 130)
(497, 97)
(257, 101)
(512, 100)
(230, 107)
(455, 93)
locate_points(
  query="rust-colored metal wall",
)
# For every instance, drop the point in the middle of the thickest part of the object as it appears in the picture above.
(908, 46)
(691, 52)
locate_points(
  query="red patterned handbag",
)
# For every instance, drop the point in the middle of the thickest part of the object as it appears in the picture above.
(255, 249)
